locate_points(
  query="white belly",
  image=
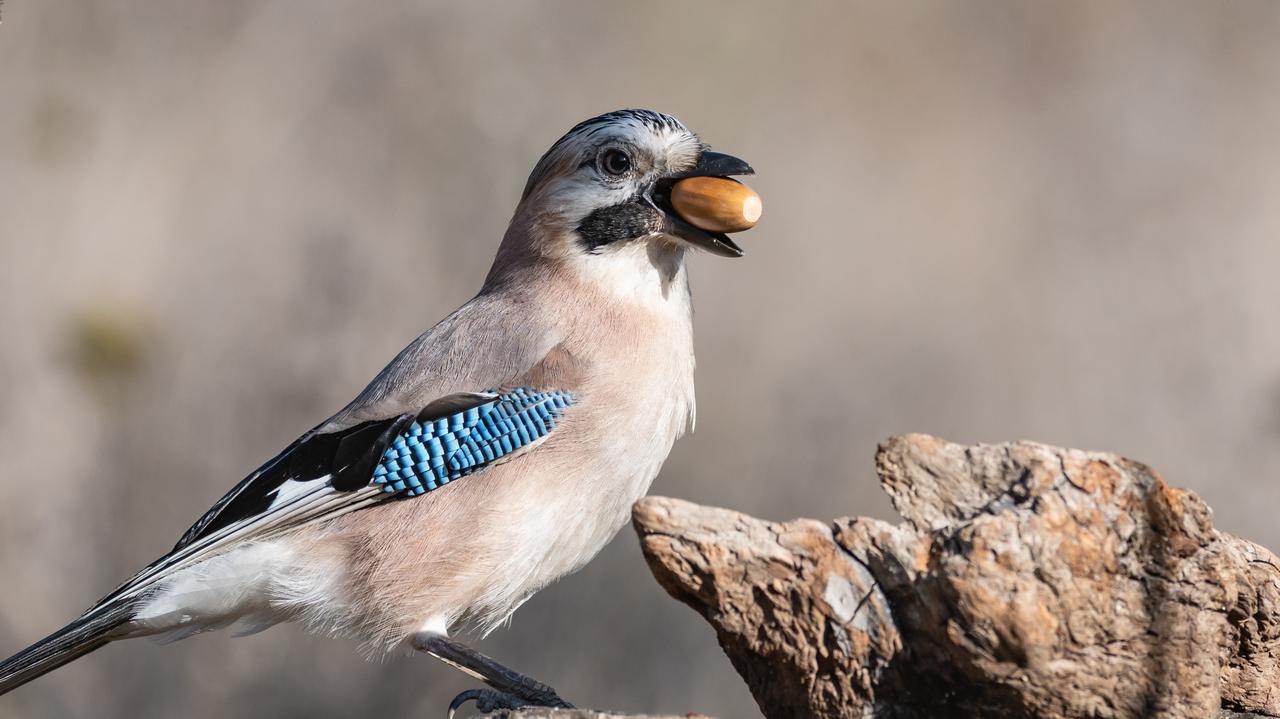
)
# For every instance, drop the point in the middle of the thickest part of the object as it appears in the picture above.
(576, 493)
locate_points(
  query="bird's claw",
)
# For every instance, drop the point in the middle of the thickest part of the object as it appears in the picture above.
(488, 700)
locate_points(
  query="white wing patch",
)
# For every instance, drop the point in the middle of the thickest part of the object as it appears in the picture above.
(292, 489)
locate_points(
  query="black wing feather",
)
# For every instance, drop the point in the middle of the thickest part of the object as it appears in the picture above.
(348, 456)
(342, 455)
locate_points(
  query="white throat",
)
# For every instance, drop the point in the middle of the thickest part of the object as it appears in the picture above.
(649, 273)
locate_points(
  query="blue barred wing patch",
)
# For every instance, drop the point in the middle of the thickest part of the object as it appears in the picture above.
(430, 453)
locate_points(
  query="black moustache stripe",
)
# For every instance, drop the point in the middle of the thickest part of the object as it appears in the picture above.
(618, 223)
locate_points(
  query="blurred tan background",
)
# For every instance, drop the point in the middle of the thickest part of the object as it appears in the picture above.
(984, 220)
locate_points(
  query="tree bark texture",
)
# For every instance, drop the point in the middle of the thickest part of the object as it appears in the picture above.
(543, 713)
(1025, 581)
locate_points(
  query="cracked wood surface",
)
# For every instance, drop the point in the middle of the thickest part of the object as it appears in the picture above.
(1025, 581)
(545, 713)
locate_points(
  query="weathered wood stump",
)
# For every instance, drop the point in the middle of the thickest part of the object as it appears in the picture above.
(536, 713)
(1026, 581)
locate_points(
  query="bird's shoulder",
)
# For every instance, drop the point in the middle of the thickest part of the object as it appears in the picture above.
(492, 341)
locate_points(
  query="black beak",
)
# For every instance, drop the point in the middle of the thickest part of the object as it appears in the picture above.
(710, 164)
(716, 164)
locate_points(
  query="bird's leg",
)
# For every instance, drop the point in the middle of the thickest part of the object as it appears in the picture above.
(519, 690)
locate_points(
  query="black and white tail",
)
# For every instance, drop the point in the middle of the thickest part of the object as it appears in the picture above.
(73, 641)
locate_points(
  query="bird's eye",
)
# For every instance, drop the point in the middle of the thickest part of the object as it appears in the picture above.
(615, 162)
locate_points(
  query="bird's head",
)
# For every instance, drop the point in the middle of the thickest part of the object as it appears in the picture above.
(601, 194)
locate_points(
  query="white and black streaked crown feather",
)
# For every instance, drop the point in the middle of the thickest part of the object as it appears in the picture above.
(590, 128)
(591, 133)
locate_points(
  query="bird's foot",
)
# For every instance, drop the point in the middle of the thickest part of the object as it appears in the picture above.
(509, 688)
(488, 700)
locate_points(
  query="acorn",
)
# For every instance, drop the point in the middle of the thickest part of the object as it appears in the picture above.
(716, 204)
